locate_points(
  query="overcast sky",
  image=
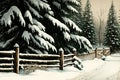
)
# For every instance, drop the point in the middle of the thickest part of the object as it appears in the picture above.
(103, 6)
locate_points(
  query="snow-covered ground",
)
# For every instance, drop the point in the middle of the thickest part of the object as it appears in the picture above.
(109, 71)
(96, 69)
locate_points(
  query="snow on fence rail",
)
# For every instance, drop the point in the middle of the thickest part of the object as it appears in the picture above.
(97, 53)
(102, 52)
(13, 60)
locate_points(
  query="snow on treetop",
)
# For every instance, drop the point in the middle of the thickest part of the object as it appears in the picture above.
(8, 16)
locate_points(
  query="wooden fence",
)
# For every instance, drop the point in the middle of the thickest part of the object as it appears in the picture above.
(97, 53)
(13, 60)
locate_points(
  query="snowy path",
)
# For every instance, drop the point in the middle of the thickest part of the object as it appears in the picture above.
(109, 71)
(95, 69)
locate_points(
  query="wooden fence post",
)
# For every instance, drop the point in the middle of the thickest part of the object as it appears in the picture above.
(75, 51)
(61, 53)
(104, 51)
(95, 52)
(16, 58)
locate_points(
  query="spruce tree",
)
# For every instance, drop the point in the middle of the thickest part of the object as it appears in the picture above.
(77, 18)
(39, 26)
(63, 10)
(88, 28)
(21, 26)
(112, 34)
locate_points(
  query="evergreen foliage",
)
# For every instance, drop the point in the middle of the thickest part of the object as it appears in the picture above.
(40, 26)
(112, 35)
(77, 18)
(21, 26)
(88, 28)
(66, 39)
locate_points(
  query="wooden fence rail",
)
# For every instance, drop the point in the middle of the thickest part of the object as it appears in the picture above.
(97, 53)
(13, 60)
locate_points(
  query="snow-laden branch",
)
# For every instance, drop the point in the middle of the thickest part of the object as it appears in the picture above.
(56, 22)
(29, 16)
(82, 40)
(40, 4)
(86, 43)
(46, 44)
(26, 36)
(8, 16)
(33, 11)
(42, 34)
(38, 41)
(72, 1)
(40, 26)
(66, 35)
(71, 24)
(71, 8)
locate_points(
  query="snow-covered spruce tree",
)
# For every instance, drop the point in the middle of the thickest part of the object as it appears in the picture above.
(62, 28)
(21, 26)
(112, 34)
(88, 28)
(77, 18)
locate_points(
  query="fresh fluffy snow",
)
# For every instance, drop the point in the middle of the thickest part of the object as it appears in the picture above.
(7, 17)
(72, 8)
(72, 1)
(71, 23)
(81, 39)
(57, 22)
(28, 15)
(26, 36)
(40, 4)
(96, 69)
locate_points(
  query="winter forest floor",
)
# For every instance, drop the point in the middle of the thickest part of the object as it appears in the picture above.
(95, 69)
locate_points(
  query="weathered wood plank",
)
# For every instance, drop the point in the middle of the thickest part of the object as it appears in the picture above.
(6, 64)
(35, 65)
(7, 52)
(6, 59)
(39, 61)
(38, 55)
